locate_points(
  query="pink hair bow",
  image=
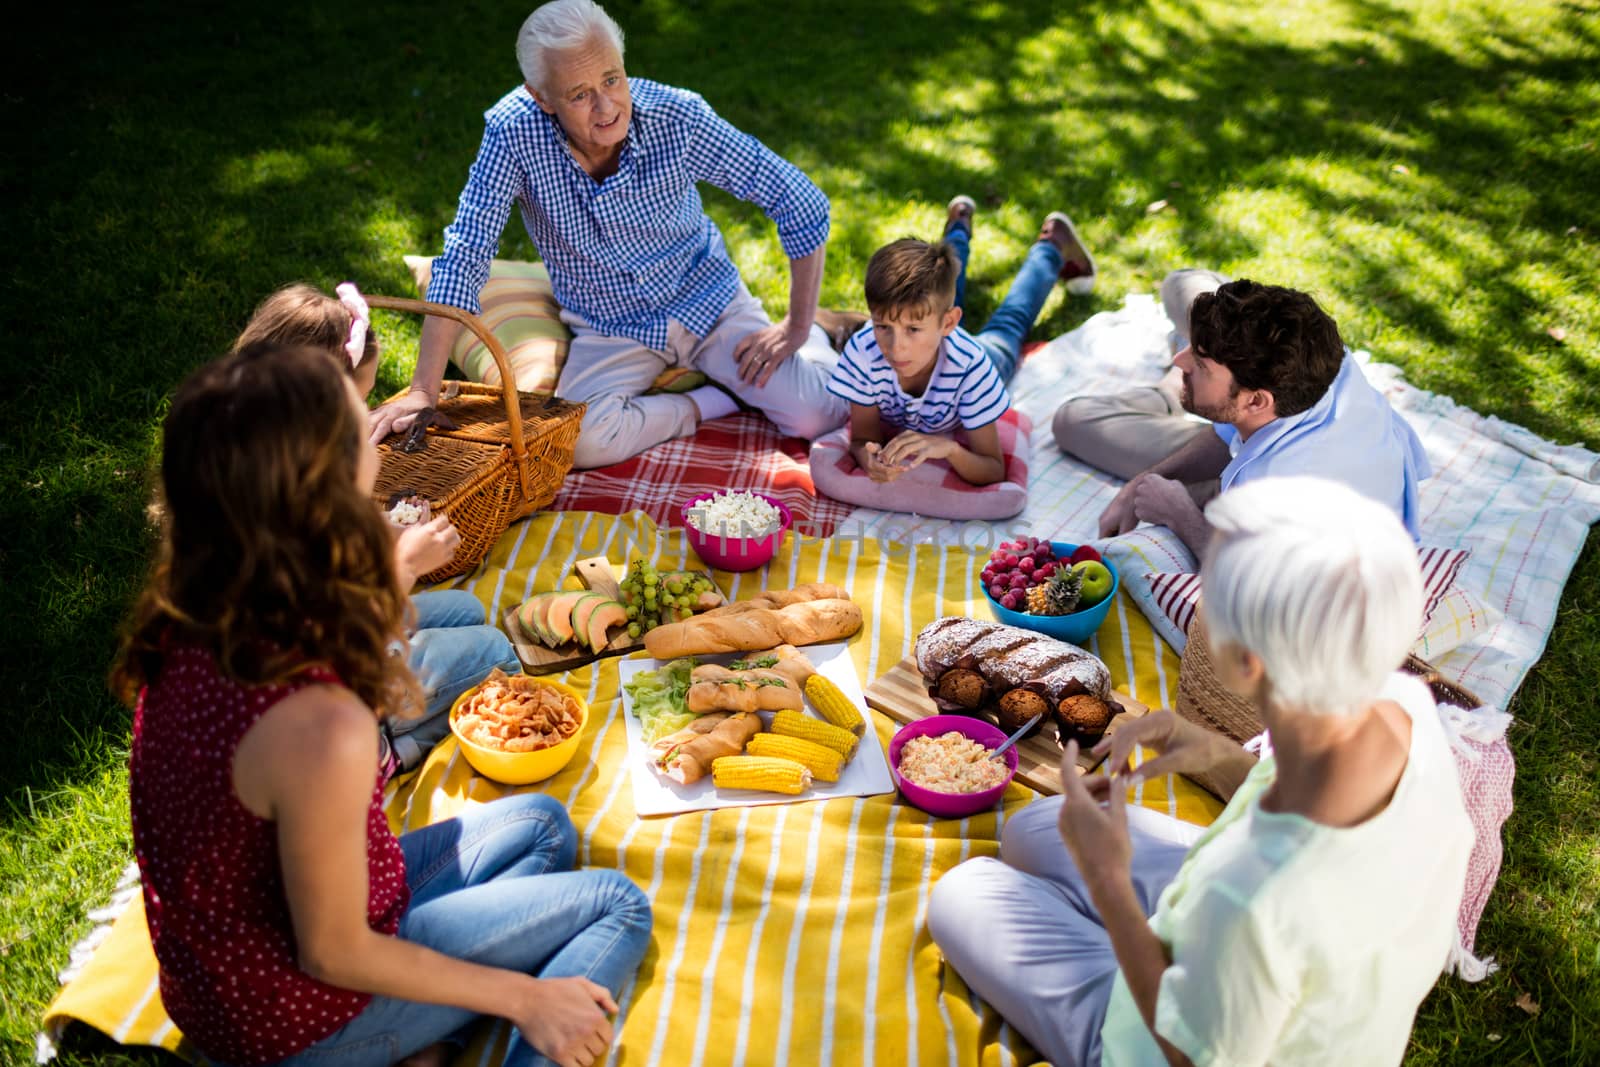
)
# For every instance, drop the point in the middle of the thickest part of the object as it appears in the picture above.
(360, 321)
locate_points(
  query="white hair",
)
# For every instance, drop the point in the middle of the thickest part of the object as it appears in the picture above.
(561, 26)
(1321, 583)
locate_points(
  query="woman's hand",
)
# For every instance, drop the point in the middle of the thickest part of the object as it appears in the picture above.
(1097, 837)
(1182, 747)
(425, 547)
(566, 1019)
(909, 449)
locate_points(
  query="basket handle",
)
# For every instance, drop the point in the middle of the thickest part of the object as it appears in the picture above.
(508, 381)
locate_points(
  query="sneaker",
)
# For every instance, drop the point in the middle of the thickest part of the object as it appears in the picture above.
(1077, 268)
(958, 214)
(839, 325)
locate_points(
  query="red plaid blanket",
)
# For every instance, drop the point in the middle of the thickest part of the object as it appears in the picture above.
(741, 451)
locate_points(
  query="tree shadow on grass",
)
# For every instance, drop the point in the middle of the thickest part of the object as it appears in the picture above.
(169, 172)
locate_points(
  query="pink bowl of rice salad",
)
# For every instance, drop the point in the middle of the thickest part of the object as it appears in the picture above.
(946, 771)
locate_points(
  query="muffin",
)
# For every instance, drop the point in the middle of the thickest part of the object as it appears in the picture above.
(1084, 716)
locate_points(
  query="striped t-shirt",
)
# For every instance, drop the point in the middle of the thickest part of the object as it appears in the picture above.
(965, 389)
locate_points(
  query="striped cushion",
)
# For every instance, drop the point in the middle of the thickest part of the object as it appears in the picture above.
(1439, 569)
(1177, 596)
(520, 309)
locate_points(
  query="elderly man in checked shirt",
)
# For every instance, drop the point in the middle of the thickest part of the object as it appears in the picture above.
(604, 171)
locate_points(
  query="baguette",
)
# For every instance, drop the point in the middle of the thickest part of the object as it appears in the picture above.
(687, 755)
(744, 691)
(743, 628)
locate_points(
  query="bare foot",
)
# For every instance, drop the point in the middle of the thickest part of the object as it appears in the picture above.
(435, 1055)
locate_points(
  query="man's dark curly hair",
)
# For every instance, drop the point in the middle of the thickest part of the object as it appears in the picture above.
(1271, 338)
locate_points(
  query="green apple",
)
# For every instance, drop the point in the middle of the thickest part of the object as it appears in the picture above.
(1096, 582)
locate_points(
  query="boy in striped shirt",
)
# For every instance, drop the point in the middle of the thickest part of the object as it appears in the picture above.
(919, 386)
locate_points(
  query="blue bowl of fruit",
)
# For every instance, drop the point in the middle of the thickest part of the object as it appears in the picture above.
(1054, 587)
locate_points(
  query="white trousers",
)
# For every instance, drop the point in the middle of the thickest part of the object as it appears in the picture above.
(1023, 934)
(609, 374)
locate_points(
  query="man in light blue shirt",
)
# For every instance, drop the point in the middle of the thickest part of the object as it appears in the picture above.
(605, 172)
(1265, 364)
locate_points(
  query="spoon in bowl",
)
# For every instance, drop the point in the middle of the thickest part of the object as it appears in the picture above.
(1014, 738)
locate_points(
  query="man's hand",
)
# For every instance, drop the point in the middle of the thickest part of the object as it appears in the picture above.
(1097, 837)
(1164, 502)
(759, 354)
(397, 415)
(909, 449)
(1120, 516)
(565, 1018)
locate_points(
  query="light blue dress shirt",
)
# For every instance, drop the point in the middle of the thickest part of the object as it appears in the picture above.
(1351, 435)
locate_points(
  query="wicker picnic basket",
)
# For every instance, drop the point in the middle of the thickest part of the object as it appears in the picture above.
(1203, 700)
(505, 459)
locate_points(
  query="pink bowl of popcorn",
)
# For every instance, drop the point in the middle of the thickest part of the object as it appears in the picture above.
(735, 530)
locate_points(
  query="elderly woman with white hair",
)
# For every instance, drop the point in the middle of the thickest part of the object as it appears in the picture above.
(1306, 924)
(605, 168)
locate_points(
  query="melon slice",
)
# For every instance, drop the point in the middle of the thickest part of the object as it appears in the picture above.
(531, 618)
(580, 616)
(558, 613)
(601, 619)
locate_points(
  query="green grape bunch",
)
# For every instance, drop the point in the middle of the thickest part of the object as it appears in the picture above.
(653, 597)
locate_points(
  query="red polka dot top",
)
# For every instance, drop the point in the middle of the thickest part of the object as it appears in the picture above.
(213, 887)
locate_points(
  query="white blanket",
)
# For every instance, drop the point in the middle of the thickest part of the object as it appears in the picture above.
(1521, 504)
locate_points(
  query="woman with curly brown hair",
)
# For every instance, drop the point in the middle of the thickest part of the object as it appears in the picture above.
(451, 645)
(286, 917)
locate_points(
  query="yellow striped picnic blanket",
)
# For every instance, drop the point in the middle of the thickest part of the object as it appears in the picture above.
(792, 933)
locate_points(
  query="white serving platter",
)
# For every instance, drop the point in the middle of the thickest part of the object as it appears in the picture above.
(867, 774)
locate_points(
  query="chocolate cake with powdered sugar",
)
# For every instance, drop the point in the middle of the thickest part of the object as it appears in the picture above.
(1006, 658)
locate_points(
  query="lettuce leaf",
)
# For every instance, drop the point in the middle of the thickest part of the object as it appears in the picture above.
(660, 698)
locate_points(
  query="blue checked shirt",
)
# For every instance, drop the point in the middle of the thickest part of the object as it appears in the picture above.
(636, 251)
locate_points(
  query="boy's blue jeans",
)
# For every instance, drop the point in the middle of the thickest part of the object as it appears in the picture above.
(495, 886)
(451, 651)
(1002, 336)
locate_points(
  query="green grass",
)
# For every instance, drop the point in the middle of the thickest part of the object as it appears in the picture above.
(1428, 170)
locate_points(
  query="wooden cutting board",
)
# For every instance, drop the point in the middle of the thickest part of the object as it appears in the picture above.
(537, 658)
(903, 696)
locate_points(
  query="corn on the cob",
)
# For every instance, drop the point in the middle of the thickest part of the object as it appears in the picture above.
(821, 761)
(833, 705)
(799, 724)
(757, 772)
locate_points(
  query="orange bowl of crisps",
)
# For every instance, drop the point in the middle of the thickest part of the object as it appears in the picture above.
(516, 729)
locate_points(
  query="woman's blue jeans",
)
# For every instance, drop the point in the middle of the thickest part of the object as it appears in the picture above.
(1002, 336)
(451, 651)
(495, 886)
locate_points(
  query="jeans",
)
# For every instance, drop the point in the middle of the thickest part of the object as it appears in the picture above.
(495, 886)
(451, 652)
(1002, 336)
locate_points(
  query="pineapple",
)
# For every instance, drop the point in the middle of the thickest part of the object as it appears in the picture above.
(1058, 594)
